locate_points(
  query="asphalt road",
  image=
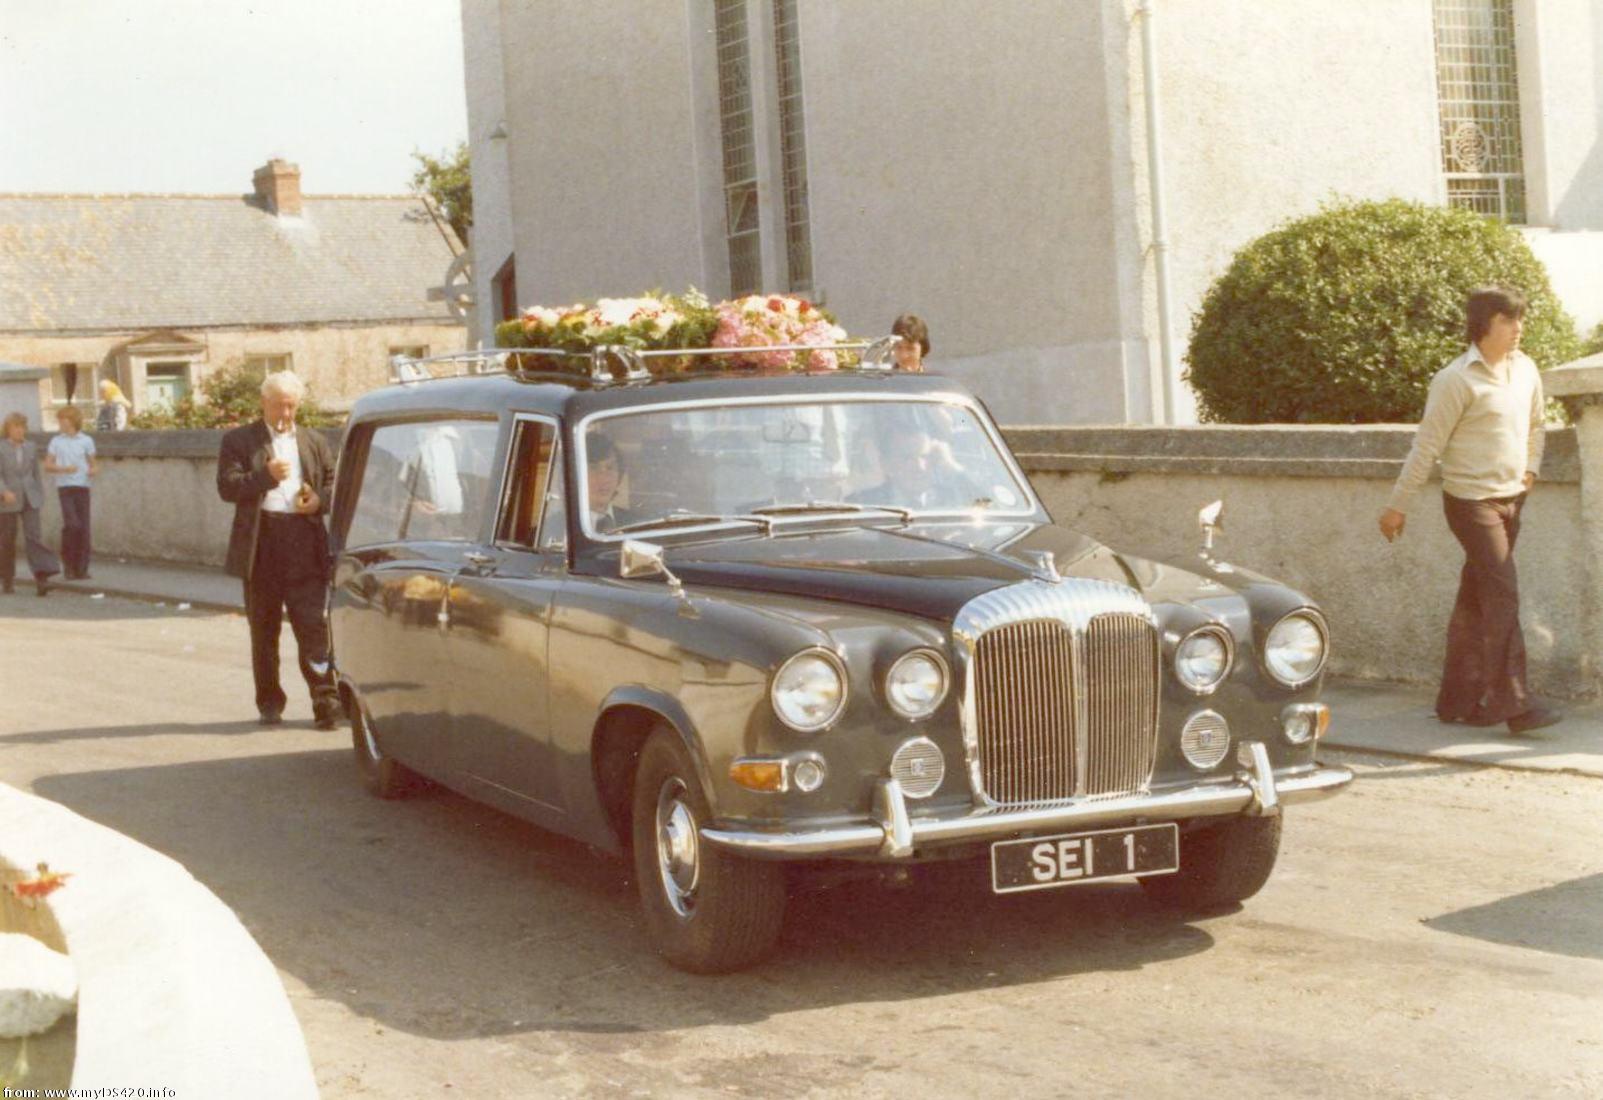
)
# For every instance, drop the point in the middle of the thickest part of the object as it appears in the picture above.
(1435, 931)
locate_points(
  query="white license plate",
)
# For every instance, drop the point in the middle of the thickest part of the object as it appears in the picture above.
(1043, 862)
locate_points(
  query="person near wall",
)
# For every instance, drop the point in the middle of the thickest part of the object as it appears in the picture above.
(71, 458)
(113, 415)
(1483, 421)
(22, 496)
(914, 344)
(279, 480)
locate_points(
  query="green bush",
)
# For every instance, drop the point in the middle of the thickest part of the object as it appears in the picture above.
(1344, 316)
(1593, 343)
(233, 396)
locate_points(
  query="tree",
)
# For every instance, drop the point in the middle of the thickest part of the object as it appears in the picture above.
(1344, 316)
(448, 180)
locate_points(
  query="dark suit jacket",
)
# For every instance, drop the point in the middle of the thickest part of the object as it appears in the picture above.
(243, 479)
(21, 478)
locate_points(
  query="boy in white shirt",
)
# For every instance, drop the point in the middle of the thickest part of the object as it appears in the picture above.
(71, 457)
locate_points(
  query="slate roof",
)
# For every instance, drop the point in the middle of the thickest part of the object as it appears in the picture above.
(91, 262)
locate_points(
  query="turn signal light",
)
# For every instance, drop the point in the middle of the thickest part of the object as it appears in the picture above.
(758, 775)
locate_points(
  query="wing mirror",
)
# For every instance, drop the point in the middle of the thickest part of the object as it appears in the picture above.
(645, 559)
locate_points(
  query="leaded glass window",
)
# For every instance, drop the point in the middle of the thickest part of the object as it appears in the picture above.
(1478, 92)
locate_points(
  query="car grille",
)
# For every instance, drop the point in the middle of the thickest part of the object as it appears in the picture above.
(1061, 705)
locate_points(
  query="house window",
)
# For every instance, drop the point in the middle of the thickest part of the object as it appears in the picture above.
(792, 146)
(268, 364)
(739, 146)
(1478, 92)
(166, 384)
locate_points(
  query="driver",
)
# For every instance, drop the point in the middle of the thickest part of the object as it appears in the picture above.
(604, 471)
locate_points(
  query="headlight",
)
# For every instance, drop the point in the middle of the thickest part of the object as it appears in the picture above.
(1202, 659)
(916, 683)
(1294, 651)
(809, 690)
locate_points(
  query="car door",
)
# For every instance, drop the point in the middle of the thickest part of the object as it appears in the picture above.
(499, 630)
(418, 504)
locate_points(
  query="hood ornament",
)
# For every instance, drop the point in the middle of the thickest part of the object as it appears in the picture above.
(1211, 519)
(1043, 564)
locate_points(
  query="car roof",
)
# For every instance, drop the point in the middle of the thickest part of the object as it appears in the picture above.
(570, 398)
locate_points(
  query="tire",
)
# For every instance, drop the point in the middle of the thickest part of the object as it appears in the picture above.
(1219, 865)
(384, 776)
(706, 911)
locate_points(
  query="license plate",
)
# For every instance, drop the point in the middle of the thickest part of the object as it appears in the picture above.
(1043, 862)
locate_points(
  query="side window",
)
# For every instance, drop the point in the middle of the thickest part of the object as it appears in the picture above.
(535, 479)
(424, 482)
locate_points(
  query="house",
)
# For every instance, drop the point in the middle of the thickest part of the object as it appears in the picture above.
(156, 291)
(1052, 186)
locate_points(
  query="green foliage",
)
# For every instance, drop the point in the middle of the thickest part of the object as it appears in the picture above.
(448, 180)
(1593, 344)
(1344, 316)
(232, 396)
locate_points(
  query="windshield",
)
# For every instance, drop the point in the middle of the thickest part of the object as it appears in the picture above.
(786, 458)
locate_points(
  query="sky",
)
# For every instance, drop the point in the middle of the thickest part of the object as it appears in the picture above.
(191, 96)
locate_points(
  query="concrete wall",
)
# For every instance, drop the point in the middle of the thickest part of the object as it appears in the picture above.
(1301, 505)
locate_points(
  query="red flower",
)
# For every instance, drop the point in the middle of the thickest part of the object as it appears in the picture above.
(806, 306)
(776, 305)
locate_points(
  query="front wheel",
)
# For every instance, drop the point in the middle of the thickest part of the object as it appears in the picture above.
(1220, 864)
(706, 911)
(385, 776)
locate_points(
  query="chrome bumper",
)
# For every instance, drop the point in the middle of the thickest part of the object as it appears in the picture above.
(1257, 790)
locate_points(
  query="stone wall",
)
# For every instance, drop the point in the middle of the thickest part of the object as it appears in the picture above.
(1300, 506)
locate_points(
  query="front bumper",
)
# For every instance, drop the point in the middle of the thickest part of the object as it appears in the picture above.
(1257, 790)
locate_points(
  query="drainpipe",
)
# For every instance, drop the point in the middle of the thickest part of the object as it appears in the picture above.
(1160, 232)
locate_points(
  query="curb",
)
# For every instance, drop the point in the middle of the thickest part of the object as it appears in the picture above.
(112, 591)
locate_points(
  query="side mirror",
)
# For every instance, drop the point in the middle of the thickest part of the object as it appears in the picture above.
(645, 559)
(640, 559)
(1211, 518)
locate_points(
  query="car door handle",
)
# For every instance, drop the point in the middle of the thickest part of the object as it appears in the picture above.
(481, 560)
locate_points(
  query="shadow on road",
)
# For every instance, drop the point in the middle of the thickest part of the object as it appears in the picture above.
(447, 919)
(154, 729)
(1563, 919)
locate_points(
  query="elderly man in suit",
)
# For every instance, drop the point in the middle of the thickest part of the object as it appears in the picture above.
(22, 495)
(279, 480)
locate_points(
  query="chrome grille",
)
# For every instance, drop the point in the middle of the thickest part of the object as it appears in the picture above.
(1121, 680)
(1024, 703)
(1061, 691)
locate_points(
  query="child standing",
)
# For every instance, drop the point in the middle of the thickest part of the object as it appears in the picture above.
(71, 457)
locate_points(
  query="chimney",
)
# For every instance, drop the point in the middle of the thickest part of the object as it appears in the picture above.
(278, 185)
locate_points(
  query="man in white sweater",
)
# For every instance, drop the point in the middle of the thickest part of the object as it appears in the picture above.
(1483, 421)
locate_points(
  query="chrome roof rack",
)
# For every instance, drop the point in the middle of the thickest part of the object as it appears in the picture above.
(613, 363)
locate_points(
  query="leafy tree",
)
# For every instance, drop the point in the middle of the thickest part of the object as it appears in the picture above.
(232, 396)
(448, 180)
(1344, 316)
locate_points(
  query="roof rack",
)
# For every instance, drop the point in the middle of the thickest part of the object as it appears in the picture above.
(611, 364)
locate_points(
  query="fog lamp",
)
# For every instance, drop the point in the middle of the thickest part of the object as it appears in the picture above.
(1205, 739)
(808, 774)
(1303, 722)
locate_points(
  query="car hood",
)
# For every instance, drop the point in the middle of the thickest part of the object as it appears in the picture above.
(931, 570)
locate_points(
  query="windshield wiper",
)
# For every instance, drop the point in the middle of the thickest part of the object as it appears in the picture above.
(690, 519)
(811, 506)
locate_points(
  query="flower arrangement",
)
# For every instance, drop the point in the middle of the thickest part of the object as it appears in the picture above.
(668, 322)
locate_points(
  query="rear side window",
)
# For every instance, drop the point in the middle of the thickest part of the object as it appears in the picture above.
(424, 481)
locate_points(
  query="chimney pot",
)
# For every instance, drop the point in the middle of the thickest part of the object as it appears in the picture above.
(278, 185)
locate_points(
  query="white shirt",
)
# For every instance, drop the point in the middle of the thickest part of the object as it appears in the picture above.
(281, 498)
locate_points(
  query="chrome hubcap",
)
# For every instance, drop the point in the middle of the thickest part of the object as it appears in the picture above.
(678, 848)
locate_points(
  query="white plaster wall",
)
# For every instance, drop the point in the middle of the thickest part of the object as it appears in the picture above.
(492, 183)
(602, 165)
(1269, 111)
(958, 168)
(1560, 57)
(1574, 264)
